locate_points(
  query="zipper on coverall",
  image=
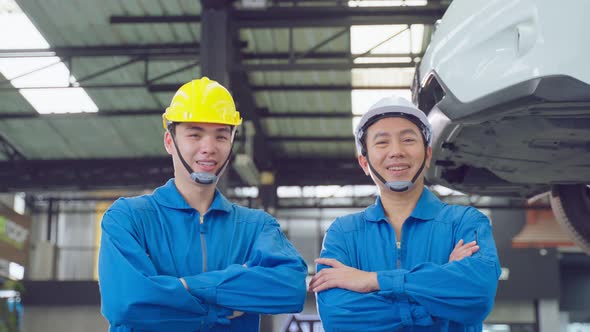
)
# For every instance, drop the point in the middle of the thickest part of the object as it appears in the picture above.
(203, 244)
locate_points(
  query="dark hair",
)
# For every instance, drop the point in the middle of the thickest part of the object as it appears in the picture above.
(172, 127)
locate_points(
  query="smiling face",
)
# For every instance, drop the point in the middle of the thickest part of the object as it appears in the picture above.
(395, 147)
(204, 146)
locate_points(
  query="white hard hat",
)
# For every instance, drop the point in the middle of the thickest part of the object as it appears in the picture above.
(393, 106)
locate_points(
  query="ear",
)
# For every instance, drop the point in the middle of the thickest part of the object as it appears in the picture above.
(428, 157)
(364, 164)
(168, 143)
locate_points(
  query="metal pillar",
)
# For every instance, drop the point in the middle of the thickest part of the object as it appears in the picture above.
(216, 46)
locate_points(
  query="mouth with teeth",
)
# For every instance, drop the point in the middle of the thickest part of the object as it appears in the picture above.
(206, 166)
(398, 170)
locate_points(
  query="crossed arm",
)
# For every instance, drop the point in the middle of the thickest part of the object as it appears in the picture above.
(348, 299)
(347, 295)
(133, 294)
(342, 276)
(272, 281)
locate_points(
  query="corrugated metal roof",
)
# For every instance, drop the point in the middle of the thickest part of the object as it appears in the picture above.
(85, 137)
(305, 41)
(310, 127)
(305, 101)
(278, 39)
(12, 101)
(85, 23)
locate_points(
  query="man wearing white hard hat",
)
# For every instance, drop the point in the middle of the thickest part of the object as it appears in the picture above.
(409, 262)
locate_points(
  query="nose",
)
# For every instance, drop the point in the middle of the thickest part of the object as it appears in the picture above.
(396, 150)
(207, 145)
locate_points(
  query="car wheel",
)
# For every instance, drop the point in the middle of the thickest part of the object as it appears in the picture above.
(571, 206)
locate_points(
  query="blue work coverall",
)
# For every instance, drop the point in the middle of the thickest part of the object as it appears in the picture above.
(420, 289)
(232, 258)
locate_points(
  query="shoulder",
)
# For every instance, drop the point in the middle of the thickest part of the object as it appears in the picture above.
(460, 214)
(348, 223)
(250, 215)
(143, 202)
(126, 210)
(134, 204)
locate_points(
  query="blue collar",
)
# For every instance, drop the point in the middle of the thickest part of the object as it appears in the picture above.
(169, 196)
(427, 208)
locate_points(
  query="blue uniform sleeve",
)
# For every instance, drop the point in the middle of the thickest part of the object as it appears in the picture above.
(460, 291)
(132, 292)
(272, 282)
(344, 310)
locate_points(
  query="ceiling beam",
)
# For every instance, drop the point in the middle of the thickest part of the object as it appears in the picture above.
(298, 16)
(83, 174)
(174, 50)
(323, 55)
(263, 113)
(141, 173)
(333, 87)
(320, 66)
(302, 139)
(84, 115)
(126, 19)
(173, 87)
(127, 50)
(305, 115)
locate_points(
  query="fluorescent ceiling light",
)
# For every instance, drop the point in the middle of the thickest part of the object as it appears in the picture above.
(31, 72)
(383, 60)
(48, 72)
(366, 37)
(444, 191)
(326, 191)
(59, 100)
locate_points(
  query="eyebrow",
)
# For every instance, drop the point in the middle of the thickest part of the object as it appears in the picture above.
(408, 131)
(201, 129)
(195, 128)
(380, 134)
(401, 133)
(224, 129)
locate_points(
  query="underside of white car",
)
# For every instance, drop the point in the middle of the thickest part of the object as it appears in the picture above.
(536, 140)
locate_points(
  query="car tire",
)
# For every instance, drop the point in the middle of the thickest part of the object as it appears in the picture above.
(571, 206)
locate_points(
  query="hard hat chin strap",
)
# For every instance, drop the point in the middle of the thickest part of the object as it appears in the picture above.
(198, 177)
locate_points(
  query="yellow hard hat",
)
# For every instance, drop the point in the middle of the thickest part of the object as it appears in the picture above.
(202, 100)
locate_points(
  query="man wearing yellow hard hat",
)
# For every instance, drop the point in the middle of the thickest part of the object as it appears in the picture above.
(184, 258)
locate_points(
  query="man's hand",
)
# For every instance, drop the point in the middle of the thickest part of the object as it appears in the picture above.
(463, 250)
(342, 276)
(236, 314)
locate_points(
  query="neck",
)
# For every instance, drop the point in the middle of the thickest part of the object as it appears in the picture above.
(198, 196)
(399, 206)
